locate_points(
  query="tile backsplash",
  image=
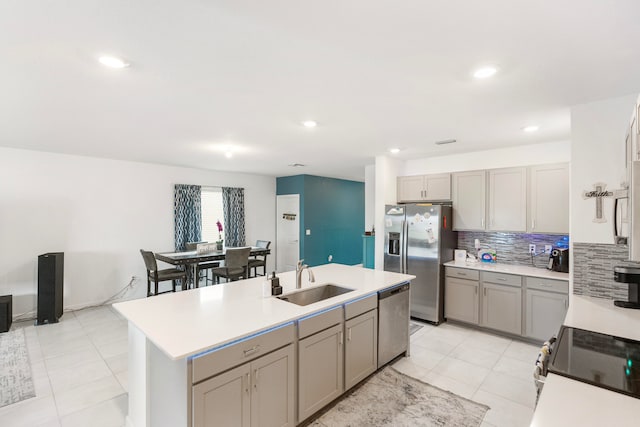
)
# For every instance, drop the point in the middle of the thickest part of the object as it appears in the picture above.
(593, 269)
(511, 248)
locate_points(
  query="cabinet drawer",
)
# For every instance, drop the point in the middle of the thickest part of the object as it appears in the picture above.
(462, 273)
(502, 279)
(318, 322)
(227, 357)
(550, 285)
(356, 308)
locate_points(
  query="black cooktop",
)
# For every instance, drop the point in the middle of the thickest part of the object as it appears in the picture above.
(598, 359)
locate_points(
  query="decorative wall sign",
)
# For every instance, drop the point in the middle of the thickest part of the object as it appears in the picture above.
(598, 193)
(289, 216)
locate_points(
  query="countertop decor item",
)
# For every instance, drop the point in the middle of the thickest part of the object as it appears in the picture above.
(16, 383)
(390, 398)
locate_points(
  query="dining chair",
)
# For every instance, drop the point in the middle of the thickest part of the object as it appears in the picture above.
(157, 276)
(201, 266)
(259, 260)
(236, 265)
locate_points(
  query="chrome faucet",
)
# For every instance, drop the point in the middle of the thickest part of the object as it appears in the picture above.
(299, 269)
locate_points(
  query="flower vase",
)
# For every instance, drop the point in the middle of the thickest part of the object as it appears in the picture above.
(219, 245)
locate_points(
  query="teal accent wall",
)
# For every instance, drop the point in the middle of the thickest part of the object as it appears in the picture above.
(333, 209)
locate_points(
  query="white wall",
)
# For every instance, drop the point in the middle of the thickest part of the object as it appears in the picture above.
(522, 155)
(386, 171)
(100, 213)
(598, 133)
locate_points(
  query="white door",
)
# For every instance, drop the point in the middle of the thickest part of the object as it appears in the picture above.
(288, 232)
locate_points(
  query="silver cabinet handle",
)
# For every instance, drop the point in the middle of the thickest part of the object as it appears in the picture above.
(484, 291)
(349, 334)
(502, 279)
(247, 384)
(341, 337)
(252, 350)
(475, 290)
(462, 274)
(255, 379)
(533, 224)
(482, 222)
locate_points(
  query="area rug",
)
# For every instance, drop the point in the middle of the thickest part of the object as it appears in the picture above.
(16, 383)
(390, 398)
(414, 327)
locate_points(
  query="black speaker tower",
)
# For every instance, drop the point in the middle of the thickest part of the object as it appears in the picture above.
(50, 285)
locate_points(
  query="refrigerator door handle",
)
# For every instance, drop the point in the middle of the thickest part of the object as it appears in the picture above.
(403, 250)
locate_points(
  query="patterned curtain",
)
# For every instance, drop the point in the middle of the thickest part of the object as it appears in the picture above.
(233, 207)
(188, 215)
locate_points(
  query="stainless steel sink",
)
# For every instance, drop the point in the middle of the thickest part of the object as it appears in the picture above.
(315, 294)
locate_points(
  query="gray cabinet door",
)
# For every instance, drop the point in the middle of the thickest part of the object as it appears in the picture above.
(411, 188)
(469, 200)
(545, 313)
(461, 300)
(502, 308)
(437, 186)
(549, 199)
(508, 199)
(320, 370)
(361, 348)
(223, 400)
(272, 397)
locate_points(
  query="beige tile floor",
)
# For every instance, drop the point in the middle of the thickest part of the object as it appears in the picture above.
(80, 371)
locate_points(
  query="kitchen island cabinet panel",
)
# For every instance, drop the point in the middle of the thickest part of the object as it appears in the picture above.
(320, 370)
(223, 400)
(361, 349)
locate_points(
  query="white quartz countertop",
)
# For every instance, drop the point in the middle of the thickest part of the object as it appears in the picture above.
(186, 323)
(567, 402)
(521, 270)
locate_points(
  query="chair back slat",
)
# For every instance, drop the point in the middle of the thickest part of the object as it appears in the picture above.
(149, 260)
(237, 257)
(264, 244)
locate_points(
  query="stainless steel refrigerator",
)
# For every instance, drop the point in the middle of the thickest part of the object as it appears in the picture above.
(418, 240)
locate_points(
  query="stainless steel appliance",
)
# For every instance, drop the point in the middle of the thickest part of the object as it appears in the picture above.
(559, 260)
(393, 323)
(418, 240)
(630, 276)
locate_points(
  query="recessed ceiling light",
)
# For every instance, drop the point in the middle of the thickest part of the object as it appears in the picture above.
(531, 128)
(309, 124)
(228, 154)
(112, 62)
(394, 150)
(484, 72)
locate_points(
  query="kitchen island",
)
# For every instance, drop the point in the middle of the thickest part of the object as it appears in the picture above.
(568, 402)
(176, 339)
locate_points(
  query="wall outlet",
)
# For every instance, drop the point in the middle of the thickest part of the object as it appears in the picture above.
(308, 233)
(330, 258)
(532, 248)
(547, 249)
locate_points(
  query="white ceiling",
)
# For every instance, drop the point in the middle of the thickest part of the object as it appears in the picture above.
(374, 74)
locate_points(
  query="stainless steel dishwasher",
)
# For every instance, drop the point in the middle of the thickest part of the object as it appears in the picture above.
(393, 323)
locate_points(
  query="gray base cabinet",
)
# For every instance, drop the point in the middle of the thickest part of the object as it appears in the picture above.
(361, 348)
(320, 370)
(502, 308)
(258, 393)
(461, 299)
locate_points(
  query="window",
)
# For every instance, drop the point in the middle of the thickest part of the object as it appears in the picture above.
(211, 199)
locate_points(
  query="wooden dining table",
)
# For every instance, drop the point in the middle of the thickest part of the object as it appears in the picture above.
(191, 259)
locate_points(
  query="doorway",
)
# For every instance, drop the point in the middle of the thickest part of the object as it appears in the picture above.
(287, 232)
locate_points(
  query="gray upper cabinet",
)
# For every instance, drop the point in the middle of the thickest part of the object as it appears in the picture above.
(507, 200)
(468, 195)
(549, 199)
(424, 187)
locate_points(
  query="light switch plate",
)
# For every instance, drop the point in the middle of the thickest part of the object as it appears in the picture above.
(547, 249)
(308, 233)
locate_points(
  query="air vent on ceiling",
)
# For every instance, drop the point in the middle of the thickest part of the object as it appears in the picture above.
(445, 141)
(297, 165)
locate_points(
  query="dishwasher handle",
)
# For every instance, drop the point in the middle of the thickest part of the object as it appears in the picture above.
(386, 293)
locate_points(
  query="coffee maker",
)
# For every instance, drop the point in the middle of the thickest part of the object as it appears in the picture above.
(630, 276)
(559, 260)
